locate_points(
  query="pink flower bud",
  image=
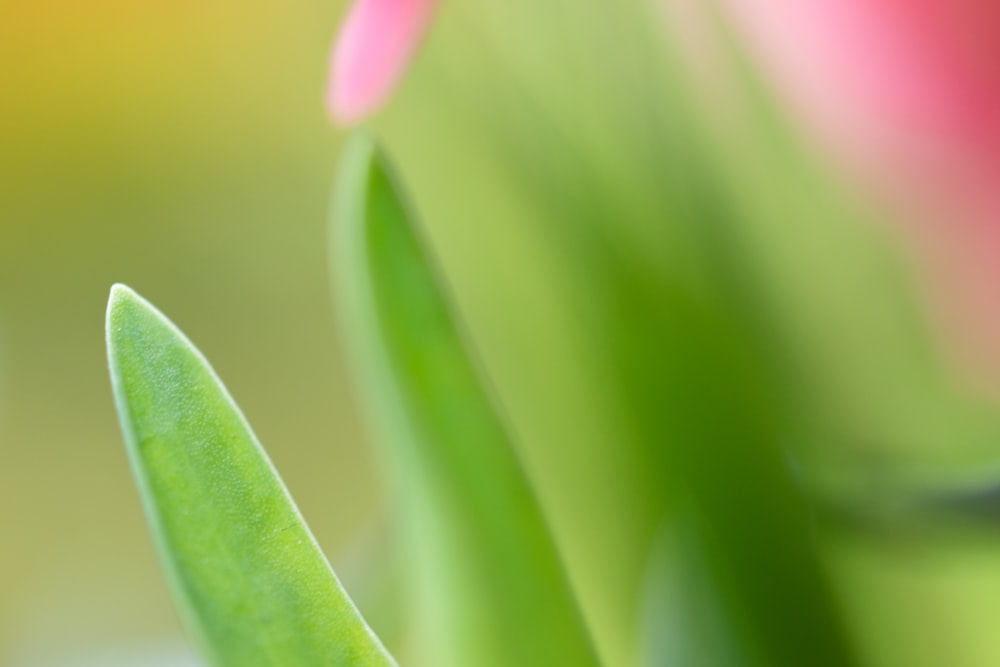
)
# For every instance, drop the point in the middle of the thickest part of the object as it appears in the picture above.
(376, 44)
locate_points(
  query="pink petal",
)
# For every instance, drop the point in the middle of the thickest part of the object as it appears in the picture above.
(375, 46)
(906, 93)
(887, 76)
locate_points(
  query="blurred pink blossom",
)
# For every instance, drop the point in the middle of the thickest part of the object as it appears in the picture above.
(906, 95)
(376, 44)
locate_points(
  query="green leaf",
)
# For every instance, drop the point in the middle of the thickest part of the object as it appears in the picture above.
(488, 584)
(248, 577)
(712, 427)
(686, 619)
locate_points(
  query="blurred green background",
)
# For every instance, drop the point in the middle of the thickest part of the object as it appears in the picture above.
(182, 148)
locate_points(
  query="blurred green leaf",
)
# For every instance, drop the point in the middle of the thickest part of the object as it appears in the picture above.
(251, 583)
(701, 381)
(708, 416)
(488, 584)
(686, 620)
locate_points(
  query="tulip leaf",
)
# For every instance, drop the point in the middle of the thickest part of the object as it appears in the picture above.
(251, 583)
(488, 585)
(686, 619)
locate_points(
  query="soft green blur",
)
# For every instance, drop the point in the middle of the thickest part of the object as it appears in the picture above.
(564, 163)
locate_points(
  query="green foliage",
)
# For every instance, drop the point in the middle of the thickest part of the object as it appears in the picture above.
(247, 574)
(710, 423)
(487, 581)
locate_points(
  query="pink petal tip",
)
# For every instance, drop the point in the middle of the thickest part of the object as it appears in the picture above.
(376, 45)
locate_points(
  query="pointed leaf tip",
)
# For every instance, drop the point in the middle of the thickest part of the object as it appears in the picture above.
(120, 294)
(485, 570)
(120, 291)
(250, 581)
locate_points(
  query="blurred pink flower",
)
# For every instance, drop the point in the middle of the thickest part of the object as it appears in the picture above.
(906, 95)
(376, 44)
